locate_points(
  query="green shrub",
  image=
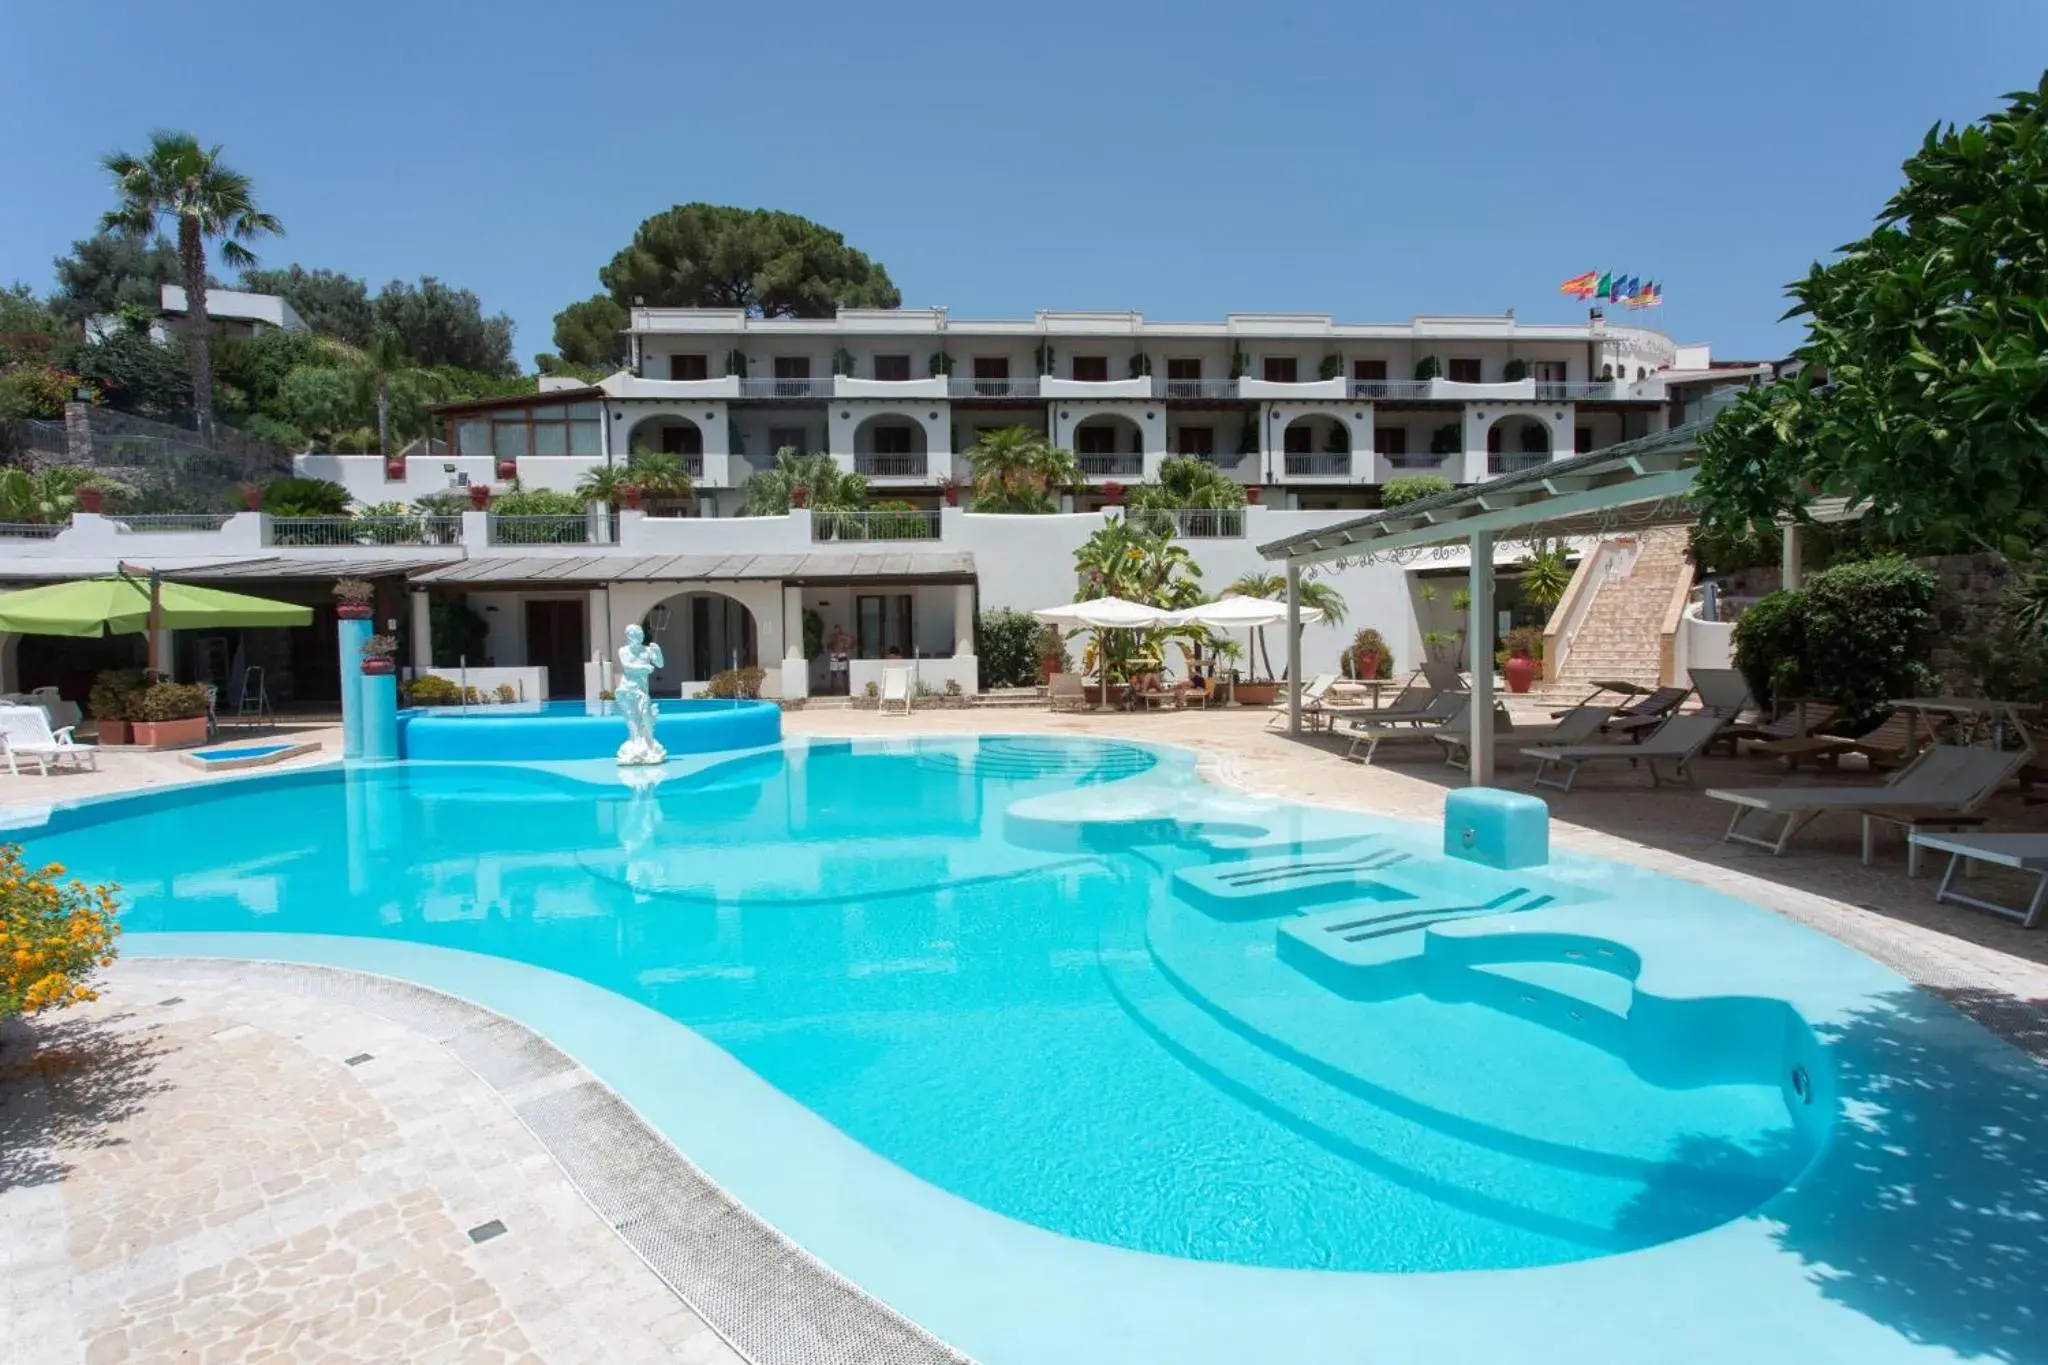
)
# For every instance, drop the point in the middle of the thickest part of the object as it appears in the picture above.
(733, 683)
(1369, 642)
(1006, 645)
(167, 701)
(431, 690)
(537, 502)
(305, 498)
(1413, 488)
(1857, 635)
(112, 691)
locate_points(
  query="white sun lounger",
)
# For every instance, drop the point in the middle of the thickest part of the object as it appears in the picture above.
(1946, 780)
(2022, 852)
(1066, 692)
(25, 733)
(895, 689)
(1678, 741)
(1370, 734)
(1311, 700)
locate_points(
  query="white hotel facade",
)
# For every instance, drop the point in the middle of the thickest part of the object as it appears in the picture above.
(1312, 415)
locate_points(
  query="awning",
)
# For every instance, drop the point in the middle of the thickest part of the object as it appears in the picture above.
(53, 569)
(595, 570)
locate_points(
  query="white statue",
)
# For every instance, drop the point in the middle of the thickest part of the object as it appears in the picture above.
(637, 661)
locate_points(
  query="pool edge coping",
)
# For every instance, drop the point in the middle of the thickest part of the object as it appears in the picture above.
(486, 1042)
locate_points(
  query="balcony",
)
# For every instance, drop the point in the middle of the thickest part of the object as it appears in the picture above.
(167, 523)
(960, 387)
(873, 526)
(1302, 391)
(1098, 466)
(891, 466)
(1396, 390)
(1199, 389)
(1499, 462)
(1191, 523)
(1415, 459)
(786, 388)
(368, 532)
(686, 390)
(547, 530)
(847, 386)
(1227, 461)
(1051, 386)
(1323, 465)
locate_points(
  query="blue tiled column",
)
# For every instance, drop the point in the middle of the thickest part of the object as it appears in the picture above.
(379, 699)
(352, 635)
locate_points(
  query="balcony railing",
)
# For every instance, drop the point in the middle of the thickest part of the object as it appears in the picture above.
(870, 526)
(1113, 466)
(1191, 523)
(960, 386)
(31, 530)
(1514, 463)
(1390, 388)
(543, 530)
(1415, 459)
(1224, 460)
(786, 388)
(165, 522)
(1319, 466)
(1560, 391)
(890, 466)
(1200, 388)
(369, 531)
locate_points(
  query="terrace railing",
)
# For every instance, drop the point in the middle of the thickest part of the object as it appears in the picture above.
(1323, 465)
(966, 386)
(1191, 523)
(1112, 466)
(891, 466)
(573, 529)
(1199, 388)
(1390, 388)
(343, 532)
(1415, 459)
(165, 522)
(1515, 462)
(917, 524)
(32, 530)
(786, 388)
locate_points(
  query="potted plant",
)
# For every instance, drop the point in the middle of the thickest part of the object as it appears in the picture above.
(800, 495)
(352, 598)
(1052, 652)
(1370, 657)
(1113, 494)
(90, 498)
(952, 495)
(108, 702)
(252, 497)
(480, 496)
(508, 468)
(377, 656)
(168, 715)
(394, 468)
(1252, 494)
(630, 495)
(1523, 653)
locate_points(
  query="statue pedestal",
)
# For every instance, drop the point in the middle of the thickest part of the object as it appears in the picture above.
(637, 752)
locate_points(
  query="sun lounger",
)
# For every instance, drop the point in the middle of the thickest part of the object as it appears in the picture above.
(1577, 726)
(1723, 691)
(1948, 778)
(2022, 852)
(1645, 715)
(895, 689)
(1890, 744)
(1311, 701)
(1371, 735)
(25, 733)
(1066, 692)
(1677, 742)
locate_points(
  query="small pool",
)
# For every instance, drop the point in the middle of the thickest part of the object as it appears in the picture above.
(562, 730)
(1071, 1057)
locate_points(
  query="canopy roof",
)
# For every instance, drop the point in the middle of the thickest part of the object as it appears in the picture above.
(120, 606)
(1239, 613)
(1639, 483)
(1107, 613)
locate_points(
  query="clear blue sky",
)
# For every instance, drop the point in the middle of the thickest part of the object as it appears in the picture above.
(1365, 159)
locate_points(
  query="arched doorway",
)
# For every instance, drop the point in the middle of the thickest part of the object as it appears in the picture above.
(889, 445)
(1317, 443)
(1516, 442)
(670, 435)
(699, 634)
(1111, 445)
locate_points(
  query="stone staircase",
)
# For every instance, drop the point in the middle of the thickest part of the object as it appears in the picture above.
(1620, 635)
(1011, 699)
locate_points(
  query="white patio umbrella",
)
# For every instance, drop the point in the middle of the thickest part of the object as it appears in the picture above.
(1105, 613)
(1239, 613)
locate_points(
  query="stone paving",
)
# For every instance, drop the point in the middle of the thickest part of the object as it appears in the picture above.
(200, 1169)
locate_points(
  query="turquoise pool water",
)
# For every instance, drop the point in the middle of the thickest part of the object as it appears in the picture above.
(556, 731)
(1051, 977)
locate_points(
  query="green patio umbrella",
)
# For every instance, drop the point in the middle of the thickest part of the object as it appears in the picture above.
(127, 604)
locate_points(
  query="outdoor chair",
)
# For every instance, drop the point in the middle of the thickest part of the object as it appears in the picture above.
(1311, 701)
(1790, 736)
(1371, 736)
(25, 733)
(1944, 785)
(2021, 852)
(895, 689)
(1067, 692)
(1432, 708)
(1678, 741)
(1891, 743)
(1723, 691)
(1579, 725)
(1646, 715)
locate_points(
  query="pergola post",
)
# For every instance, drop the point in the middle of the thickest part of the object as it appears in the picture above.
(1479, 644)
(1294, 647)
(1790, 565)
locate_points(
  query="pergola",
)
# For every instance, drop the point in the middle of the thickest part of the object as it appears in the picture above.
(1632, 486)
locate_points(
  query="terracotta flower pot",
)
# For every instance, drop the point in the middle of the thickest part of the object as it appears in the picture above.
(1520, 671)
(352, 611)
(112, 731)
(480, 496)
(379, 666)
(800, 496)
(252, 498)
(394, 470)
(952, 495)
(1257, 693)
(630, 494)
(169, 734)
(90, 499)
(508, 470)
(1046, 669)
(1113, 494)
(1252, 494)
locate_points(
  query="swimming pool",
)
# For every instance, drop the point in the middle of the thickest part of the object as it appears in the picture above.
(1046, 1041)
(563, 730)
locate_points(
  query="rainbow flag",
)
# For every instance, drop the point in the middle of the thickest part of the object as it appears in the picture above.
(1581, 286)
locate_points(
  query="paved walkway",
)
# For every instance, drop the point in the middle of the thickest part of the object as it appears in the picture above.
(195, 1172)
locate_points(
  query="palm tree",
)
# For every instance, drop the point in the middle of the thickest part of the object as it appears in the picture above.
(1272, 587)
(661, 475)
(827, 488)
(1017, 470)
(384, 358)
(601, 484)
(1186, 482)
(1545, 575)
(180, 180)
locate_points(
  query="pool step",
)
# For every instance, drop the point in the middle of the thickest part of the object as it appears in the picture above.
(1260, 887)
(1364, 939)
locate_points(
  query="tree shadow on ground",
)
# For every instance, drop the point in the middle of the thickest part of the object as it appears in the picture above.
(67, 1084)
(1928, 1212)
